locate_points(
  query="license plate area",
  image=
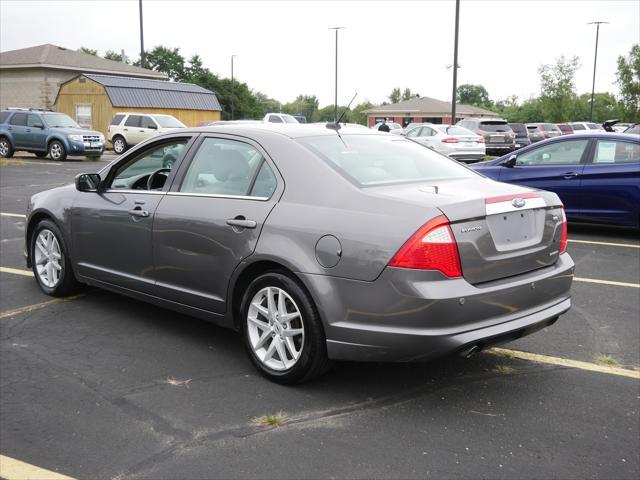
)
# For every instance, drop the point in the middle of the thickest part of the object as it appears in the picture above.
(497, 139)
(516, 230)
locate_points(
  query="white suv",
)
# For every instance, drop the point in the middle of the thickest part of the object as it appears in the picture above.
(128, 129)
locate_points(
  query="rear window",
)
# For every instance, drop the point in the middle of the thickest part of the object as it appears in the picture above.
(378, 160)
(577, 126)
(593, 126)
(518, 127)
(4, 116)
(495, 127)
(549, 127)
(117, 119)
(565, 128)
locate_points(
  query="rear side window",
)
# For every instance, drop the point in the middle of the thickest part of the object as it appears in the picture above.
(376, 160)
(617, 152)
(133, 121)
(4, 116)
(558, 153)
(222, 167)
(495, 127)
(265, 183)
(117, 120)
(19, 119)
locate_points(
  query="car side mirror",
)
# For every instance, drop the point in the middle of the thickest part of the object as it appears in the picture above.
(38, 125)
(88, 182)
(152, 126)
(510, 162)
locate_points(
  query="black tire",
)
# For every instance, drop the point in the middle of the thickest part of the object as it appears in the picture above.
(6, 149)
(313, 360)
(41, 154)
(57, 151)
(67, 284)
(119, 144)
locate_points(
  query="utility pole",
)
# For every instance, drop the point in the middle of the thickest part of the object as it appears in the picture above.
(141, 37)
(455, 66)
(232, 91)
(336, 87)
(595, 60)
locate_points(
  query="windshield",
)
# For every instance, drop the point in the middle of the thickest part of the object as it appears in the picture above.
(59, 120)
(376, 160)
(289, 119)
(454, 130)
(169, 122)
(495, 127)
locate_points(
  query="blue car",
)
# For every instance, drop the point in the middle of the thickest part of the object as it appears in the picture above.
(596, 175)
(46, 133)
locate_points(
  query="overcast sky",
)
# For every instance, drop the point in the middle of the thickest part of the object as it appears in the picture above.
(285, 48)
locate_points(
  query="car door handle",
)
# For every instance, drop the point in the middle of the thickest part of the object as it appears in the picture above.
(241, 222)
(569, 175)
(138, 212)
(126, 129)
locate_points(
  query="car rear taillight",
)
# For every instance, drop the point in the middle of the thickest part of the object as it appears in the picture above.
(432, 247)
(563, 238)
(450, 140)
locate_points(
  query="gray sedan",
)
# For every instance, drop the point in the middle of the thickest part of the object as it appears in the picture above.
(315, 244)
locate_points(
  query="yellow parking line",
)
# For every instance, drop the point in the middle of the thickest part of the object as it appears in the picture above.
(608, 244)
(12, 469)
(607, 282)
(38, 306)
(18, 215)
(17, 271)
(564, 362)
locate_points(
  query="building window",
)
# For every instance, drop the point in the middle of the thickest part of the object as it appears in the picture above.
(83, 116)
(436, 120)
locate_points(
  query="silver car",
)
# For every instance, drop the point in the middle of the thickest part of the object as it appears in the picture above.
(314, 244)
(453, 141)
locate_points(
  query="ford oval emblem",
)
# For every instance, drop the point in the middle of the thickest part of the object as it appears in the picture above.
(518, 202)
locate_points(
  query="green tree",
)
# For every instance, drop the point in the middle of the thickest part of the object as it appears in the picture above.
(469, 94)
(166, 60)
(628, 80)
(395, 95)
(307, 105)
(406, 95)
(266, 104)
(115, 56)
(90, 51)
(605, 107)
(557, 89)
(357, 115)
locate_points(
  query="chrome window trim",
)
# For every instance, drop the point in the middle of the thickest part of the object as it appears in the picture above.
(214, 195)
(126, 190)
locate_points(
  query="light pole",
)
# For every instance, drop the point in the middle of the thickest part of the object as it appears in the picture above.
(595, 59)
(141, 36)
(455, 66)
(336, 90)
(232, 107)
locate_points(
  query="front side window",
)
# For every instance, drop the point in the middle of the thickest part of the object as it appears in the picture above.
(559, 153)
(166, 121)
(34, 120)
(610, 151)
(275, 119)
(427, 132)
(134, 173)
(379, 159)
(222, 167)
(147, 122)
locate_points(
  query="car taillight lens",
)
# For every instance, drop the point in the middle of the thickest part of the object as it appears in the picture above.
(432, 247)
(563, 238)
(450, 140)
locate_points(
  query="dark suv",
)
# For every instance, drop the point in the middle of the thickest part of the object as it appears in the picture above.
(498, 136)
(522, 134)
(46, 133)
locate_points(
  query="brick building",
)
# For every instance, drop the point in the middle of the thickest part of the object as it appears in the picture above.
(422, 110)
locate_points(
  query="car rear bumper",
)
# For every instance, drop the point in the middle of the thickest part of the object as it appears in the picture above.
(492, 147)
(410, 315)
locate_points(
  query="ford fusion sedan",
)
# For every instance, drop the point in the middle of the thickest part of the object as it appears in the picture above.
(451, 140)
(314, 244)
(596, 175)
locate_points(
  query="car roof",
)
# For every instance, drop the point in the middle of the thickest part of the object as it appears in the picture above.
(285, 129)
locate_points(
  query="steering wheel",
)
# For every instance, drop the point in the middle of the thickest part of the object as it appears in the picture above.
(152, 177)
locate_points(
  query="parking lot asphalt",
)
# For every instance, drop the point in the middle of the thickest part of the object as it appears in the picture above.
(102, 386)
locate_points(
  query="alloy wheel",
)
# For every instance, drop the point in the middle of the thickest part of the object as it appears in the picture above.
(276, 329)
(118, 145)
(48, 258)
(56, 151)
(4, 148)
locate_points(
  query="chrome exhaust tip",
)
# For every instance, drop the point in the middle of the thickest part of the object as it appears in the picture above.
(470, 351)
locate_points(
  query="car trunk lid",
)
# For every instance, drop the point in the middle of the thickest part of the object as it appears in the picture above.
(500, 230)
